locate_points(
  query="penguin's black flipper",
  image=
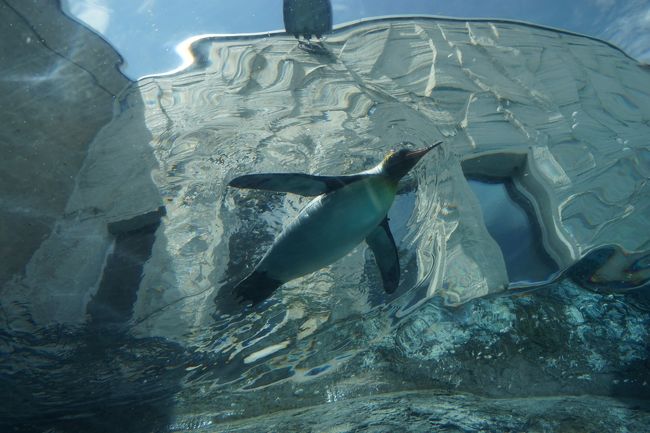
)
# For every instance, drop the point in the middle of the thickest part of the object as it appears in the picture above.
(296, 183)
(255, 288)
(382, 244)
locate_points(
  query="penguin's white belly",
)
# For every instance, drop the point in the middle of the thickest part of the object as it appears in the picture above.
(329, 227)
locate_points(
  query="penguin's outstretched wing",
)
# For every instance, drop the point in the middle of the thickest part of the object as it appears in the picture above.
(382, 244)
(297, 183)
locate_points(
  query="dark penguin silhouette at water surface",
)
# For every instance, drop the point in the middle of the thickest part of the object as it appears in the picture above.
(307, 19)
(347, 210)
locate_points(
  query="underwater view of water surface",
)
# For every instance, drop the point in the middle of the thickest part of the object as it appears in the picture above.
(325, 216)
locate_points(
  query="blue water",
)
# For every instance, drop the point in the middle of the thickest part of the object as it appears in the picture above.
(523, 240)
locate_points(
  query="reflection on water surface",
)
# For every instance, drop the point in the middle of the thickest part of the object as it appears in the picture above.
(112, 321)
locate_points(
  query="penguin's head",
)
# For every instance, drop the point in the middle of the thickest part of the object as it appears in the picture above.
(397, 163)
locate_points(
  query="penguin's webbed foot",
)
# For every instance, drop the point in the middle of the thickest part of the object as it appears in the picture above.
(313, 47)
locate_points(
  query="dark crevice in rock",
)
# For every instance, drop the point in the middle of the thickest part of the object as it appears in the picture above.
(117, 291)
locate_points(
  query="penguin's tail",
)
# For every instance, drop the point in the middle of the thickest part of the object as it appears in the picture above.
(255, 288)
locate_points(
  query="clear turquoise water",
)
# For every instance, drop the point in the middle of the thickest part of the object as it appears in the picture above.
(113, 322)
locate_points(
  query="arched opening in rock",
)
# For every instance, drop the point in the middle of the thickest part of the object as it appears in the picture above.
(511, 216)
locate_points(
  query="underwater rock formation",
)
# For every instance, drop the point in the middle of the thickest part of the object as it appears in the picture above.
(424, 412)
(150, 235)
(563, 117)
(59, 81)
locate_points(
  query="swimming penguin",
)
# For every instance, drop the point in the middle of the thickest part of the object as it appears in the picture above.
(347, 210)
(307, 18)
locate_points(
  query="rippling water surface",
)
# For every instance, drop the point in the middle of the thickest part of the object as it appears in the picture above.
(154, 232)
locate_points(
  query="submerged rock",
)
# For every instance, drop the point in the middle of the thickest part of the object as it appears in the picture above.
(419, 412)
(561, 340)
(59, 82)
(151, 235)
(558, 342)
(563, 117)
